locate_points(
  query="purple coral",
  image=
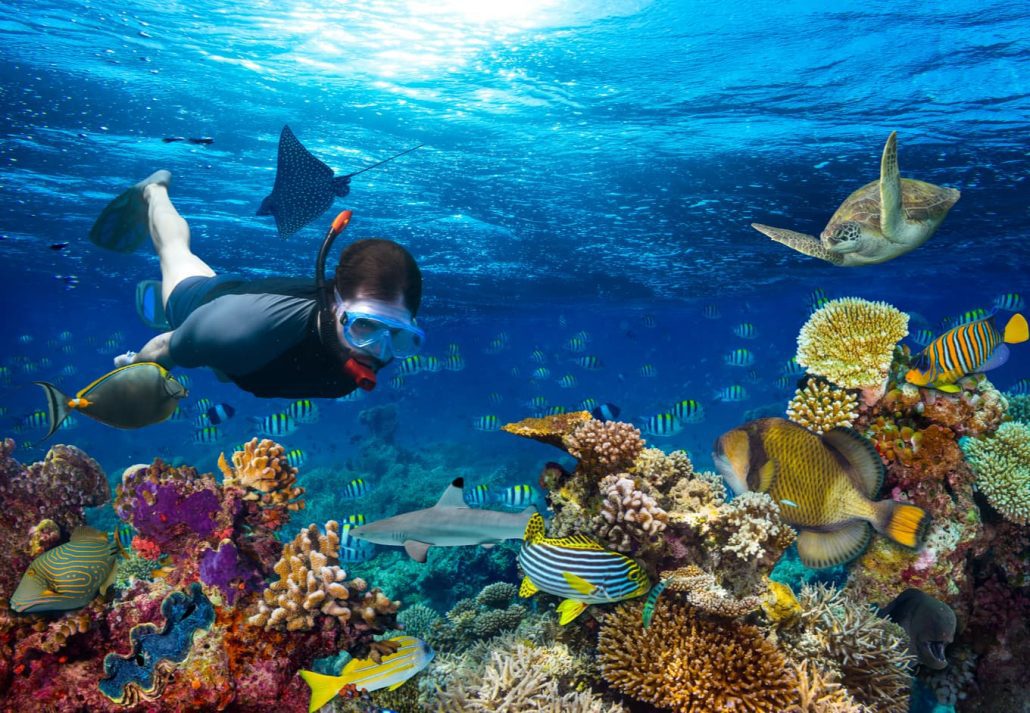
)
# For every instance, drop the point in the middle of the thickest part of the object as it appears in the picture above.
(229, 571)
(162, 511)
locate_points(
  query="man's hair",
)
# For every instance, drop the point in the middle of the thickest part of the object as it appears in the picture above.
(382, 270)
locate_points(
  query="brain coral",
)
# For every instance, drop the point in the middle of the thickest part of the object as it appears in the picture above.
(690, 664)
(851, 342)
(821, 407)
(1002, 466)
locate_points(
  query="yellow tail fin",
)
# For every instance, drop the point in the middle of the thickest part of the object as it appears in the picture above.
(323, 688)
(1016, 330)
(903, 523)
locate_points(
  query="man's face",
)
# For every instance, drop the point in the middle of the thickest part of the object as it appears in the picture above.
(379, 353)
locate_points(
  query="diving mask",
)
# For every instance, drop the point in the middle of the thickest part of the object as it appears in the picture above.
(366, 327)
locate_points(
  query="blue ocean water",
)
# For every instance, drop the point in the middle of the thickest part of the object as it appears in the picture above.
(588, 166)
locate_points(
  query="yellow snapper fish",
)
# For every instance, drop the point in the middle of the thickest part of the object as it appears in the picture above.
(131, 396)
(578, 568)
(70, 575)
(969, 348)
(823, 484)
(390, 673)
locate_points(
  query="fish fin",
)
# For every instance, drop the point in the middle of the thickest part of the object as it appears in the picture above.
(578, 583)
(1016, 330)
(948, 388)
(767, 475)
(453, 496)
(149, 305)
(88, 534)
(892, 216)
(323, 688)
(416, 550)
(109, 579)
(488, 545)
(397, 685)
(819, 550)
(534, 530)
(569, 609)
(905, 524)
(527, 588)
(998, 358)
(57, 406)
(49, 593)
(866, 469)
(577, 542)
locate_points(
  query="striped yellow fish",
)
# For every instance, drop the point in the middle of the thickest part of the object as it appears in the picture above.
(967, 349)
(70, 575)
(391, 672)
(824, 485)
(577, 568)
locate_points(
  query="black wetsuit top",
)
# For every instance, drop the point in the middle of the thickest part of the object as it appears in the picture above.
(263, 335)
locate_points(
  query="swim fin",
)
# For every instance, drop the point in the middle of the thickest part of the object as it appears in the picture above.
(150, 307)
(122, 225)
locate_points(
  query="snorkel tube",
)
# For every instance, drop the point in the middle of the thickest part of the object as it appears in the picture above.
(364, 377)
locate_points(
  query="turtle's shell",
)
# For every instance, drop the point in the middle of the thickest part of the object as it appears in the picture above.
(921, 201)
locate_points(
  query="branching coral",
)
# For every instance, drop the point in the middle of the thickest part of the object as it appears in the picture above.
(851, 342)
(604, 446)
(491, 612)
(629, 517)
(747, 534)
(816, 694)
(263, 473)
(662, 470)
(852, 646)
(821, 407)
(314, 590)
(702, 591)
(419, 621)
(1002, 466)
(689, 664)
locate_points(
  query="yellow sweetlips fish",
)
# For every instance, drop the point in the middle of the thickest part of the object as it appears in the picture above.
(70, 575)
(969, 348)
(578, 568)
(131, 396)
(824, 485)
(391, 672)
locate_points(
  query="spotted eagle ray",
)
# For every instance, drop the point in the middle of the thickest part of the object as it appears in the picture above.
(304, 186)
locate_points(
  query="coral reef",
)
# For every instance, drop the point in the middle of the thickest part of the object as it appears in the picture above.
(819, 406)
(851, 342)
(1001, 463)
(57, 490)
(1019, 407)
(549, 429)
(313, 590)
(267, 479)
(687, 663)
(604, 446)
(702, 591)
(817, 694)
(629, 518)
(493, 611)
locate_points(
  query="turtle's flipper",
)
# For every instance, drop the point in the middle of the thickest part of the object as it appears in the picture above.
(806, 244)
(892, 217)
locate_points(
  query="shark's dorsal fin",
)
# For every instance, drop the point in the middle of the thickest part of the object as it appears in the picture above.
(454, 496)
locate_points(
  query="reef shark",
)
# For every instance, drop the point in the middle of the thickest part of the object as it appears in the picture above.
(449, 523)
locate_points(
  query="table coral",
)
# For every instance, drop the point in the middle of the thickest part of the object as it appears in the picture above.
(851, 342)
(313, 590)
(819, 406)
(551, 430)
(690, 664)
(1001, 463)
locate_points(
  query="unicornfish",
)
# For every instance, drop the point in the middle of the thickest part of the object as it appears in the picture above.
(131, 396)
(824, 485)
(390, 673)
(70, 575)
(577, 568)
(304, 186)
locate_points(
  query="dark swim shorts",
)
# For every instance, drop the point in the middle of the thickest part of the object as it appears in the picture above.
(193, 292)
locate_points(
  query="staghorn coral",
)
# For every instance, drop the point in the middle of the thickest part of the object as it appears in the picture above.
(850, 342)
(516, 677)
(267, 479)
(852, 646)
(690, 664)
(816, 694)
(1002, 466)
(313, 590)
(819, 406)
(702, 590)
(747, 537)
(629, 517)
(604, 446)
(549, 429)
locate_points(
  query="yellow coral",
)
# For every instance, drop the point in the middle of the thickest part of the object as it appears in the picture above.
(821, 407)
(262, 470)
(851, 342)
(690, 664)
(549, 429)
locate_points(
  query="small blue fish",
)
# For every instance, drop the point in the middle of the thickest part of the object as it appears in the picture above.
(303, 411)
(739, 357)
(478, 496)
(688, 411)
(792, 368)
(355, 489)
(278, 424)
(517, 498)
(486, 423)
(731, 394)
(567, 382)
(648, 370)
(746, 330)
(208, 435)
(606, 412)
(662, 425)
(296, 457)
(1010, 302)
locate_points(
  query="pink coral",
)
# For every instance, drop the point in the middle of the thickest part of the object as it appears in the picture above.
(629, 516)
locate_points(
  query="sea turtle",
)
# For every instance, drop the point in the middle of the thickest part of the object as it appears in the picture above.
(879, 221)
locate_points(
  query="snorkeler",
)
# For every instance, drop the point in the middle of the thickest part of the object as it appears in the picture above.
(275, 337)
